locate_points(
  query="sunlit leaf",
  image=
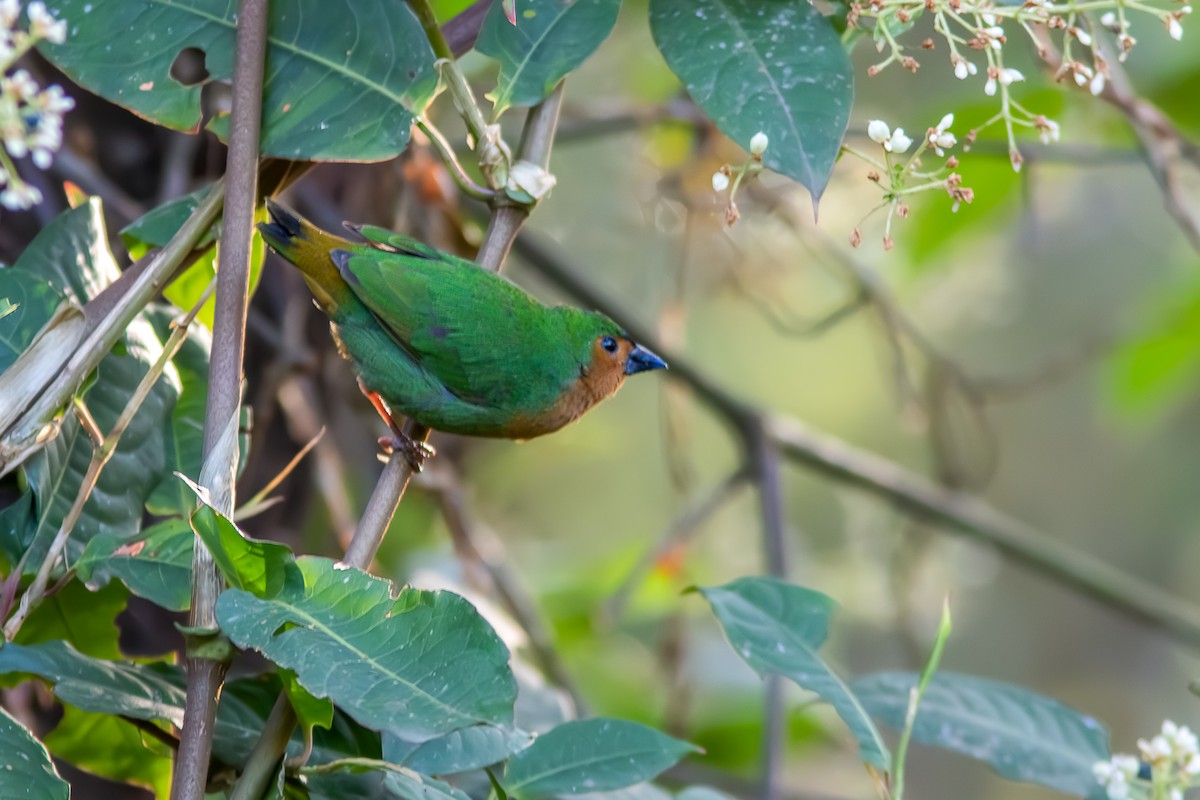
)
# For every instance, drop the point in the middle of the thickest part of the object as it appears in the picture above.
(778, 628)
(112, 748)
(775, 67)
(341, 78)
(253, 565)
(418, 665)
(1022, 735)
(86, 619)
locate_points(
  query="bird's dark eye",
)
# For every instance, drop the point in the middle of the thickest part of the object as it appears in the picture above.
(609, 344)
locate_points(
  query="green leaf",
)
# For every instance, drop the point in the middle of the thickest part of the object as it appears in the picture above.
(141, 691)
(420, 665)
(775, 67)
(25, 767)
(72, 253)
(156, 564)
(592, 755)
(86, 619)
(778, 628)
(550, 39)
(1022, 735)
(341, 78)
(33, 301)
(458, 751)
(112, 748)
(56, 472)
(252, 565)
(156, 227)
(311, 711)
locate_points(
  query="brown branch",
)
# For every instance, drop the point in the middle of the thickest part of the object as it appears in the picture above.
(1163, 144)
(205, 675)
(913, 494)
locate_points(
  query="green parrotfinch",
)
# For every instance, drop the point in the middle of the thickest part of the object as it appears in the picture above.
(450, 345)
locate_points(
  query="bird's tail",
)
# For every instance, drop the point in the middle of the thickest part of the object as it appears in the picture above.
(307, 247)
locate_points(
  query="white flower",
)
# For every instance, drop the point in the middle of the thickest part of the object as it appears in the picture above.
(1114, 775)
(878, 131)
(1108, 19)
(720, 181)
(1175, 794)
(899, 142)
(1083, 36)
(1157, 749)
(940, 137)
(989, 88)
(42, 24)
(961, 70)
(758, 144)
(1128, 765)
(1048, 131)
(20, 196)
(1174, 28)
(1192, 765)
(1008, 76)
(1097, 84)
(530, 178)
(9, 11)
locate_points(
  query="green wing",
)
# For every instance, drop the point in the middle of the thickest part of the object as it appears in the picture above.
(483, 338)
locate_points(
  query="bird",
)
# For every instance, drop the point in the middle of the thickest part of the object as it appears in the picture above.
(448, 344)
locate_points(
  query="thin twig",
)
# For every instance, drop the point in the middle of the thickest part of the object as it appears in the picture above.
(911, 493)
(205, 675)
(103, 449)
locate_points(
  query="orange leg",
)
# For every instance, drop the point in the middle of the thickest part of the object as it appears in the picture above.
(414, 452)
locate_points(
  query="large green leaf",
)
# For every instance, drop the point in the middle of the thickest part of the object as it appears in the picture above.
(778, 628)
(34, 300)
(155, 564)
(85, 619)
(419, 665)
(25, 767)
(458, 751)
(550, 39)
(56, 472)
(341, 77)
(112, 748)
(775, 66)
(592, 755)
(1022, 735)
(408, 785)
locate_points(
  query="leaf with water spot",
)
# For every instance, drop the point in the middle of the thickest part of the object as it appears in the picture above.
(550, 39)
(763, 65)
(778, 628)
(25, 767)
(591, 755)
(1024, 736)
(341, 81)
(418, 665)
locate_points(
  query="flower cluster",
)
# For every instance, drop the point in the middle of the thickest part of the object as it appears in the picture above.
(1169, 764)
(30, 118)
(902, 177)
(975, 33)
(730, 178)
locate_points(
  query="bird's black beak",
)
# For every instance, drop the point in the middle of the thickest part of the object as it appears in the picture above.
(641, 359)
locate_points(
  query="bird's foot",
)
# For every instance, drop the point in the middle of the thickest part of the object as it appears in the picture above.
(414, 451)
